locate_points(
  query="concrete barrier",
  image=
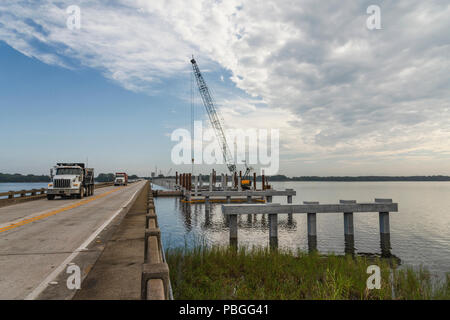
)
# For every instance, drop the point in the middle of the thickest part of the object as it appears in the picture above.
(155, 280)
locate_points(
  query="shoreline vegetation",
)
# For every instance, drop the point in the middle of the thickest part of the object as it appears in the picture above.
(205, 273)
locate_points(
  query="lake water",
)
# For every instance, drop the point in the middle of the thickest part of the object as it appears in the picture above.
(16, 186)
(420, 231)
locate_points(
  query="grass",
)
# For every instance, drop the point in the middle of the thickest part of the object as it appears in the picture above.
(259, 273)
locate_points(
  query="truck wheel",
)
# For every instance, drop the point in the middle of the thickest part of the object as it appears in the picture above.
(81, 195)
(50, 197)
(91, 189)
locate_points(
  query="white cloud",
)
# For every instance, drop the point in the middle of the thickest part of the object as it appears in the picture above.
(334, 88)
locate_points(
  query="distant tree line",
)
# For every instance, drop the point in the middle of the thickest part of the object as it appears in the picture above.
(17, 177)
(281, 178)
(360, 178)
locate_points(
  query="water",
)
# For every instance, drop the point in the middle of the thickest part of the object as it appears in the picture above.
(420, 231)
(17, 186)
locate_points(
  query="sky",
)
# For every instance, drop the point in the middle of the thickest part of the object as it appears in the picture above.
(346, 100)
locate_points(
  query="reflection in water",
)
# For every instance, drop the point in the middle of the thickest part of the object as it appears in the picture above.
(312, 243)
(385, 244)
(273, 242)
(263, 220)
(207, 217)
(234, 243)
(349, 244)
(186, 212)
(290, 219)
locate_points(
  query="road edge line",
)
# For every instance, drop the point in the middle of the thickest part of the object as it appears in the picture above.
(44, 284)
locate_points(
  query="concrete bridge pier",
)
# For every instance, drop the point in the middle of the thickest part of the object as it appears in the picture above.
(273, 230)
(312, 244)
(385, 230)
(312, 228)
(349, 229)
(211, 182)
(233, 227)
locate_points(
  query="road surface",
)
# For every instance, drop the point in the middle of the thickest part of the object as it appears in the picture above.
(39, 238)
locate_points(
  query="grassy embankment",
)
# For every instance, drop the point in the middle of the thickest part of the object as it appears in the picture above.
(257, 273)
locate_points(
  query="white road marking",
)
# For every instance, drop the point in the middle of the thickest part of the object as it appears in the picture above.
(44, 284)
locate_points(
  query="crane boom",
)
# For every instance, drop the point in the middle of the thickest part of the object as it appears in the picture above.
(213, 117)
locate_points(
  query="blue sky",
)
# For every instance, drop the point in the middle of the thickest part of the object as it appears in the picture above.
(53, 114)
(346, 100)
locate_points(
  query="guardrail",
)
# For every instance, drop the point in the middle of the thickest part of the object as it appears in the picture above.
(155, 281)
(13, 197)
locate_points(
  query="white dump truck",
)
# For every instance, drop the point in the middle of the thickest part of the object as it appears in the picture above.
(71, 179)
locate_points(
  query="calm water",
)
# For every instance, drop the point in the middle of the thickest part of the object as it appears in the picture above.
(420, 231)
(5, 187)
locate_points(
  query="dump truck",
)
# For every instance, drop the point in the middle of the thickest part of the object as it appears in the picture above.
(69, 180)
(121, 179)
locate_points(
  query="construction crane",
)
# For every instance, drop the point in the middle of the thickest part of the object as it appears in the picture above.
(216, 124)
(213, 117)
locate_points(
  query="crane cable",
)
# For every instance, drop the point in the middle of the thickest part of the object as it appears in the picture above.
(192, 121)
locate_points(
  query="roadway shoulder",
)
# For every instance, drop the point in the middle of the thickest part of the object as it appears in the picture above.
(88, 259)
(117, 273)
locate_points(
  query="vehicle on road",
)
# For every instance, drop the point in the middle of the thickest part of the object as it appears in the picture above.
(71, 179)
(121, 179)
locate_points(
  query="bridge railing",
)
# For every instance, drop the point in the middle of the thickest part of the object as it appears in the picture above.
(11, 197)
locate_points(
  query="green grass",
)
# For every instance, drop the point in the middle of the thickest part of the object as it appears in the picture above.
(258, 273)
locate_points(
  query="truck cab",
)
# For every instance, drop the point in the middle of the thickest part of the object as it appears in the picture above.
(121, 179)
(71, 179)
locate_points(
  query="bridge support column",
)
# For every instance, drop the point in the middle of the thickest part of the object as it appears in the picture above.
(273, 230)
(233, 228)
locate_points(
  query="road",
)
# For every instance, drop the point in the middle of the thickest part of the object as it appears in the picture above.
(39, 238)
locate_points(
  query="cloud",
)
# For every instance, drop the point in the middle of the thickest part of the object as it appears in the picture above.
(312, 69)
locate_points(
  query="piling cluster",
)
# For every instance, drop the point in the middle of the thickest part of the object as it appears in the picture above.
(193, 186)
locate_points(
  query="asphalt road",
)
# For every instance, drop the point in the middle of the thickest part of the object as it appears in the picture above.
(38, 238)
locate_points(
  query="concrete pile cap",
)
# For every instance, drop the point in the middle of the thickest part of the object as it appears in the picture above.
(382, 205)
